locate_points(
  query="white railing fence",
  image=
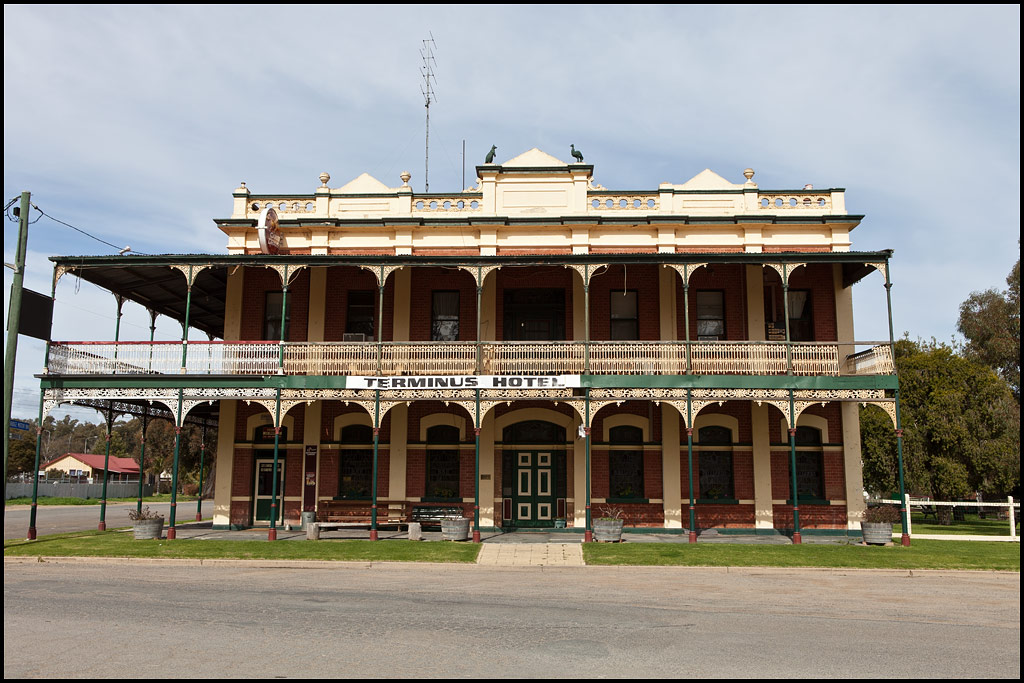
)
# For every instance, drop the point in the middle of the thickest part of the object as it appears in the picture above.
(1012, 507)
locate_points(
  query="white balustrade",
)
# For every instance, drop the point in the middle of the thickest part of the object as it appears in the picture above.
(533, 358)
(637, 358)
(460, 358)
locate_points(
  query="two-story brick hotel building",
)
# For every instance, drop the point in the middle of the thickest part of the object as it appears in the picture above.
(532, 350)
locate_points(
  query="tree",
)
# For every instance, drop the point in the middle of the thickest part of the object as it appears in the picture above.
(961, 427)
(990, 321)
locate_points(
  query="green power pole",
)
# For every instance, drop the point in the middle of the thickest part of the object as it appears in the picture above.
(13, 320)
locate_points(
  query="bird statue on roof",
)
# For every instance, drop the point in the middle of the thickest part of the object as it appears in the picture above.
(576, 154)
(489, 159)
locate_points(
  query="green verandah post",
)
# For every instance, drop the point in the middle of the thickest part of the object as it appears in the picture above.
(476, 473)
(689, 464)
(272, 533)
(106, 468)
(142, 457)
(202, 458)
(110, 419)
(376, 443)
(184, 324)
(35, 470)
(904, 513)
(588, 535)
(171, 533)
(792, 470)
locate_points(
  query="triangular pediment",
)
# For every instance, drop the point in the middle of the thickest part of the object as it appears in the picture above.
(535, 158)
(708, 180)
(364, 184)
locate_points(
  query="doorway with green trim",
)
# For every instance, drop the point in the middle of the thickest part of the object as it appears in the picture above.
(533, 475)
(263, 491)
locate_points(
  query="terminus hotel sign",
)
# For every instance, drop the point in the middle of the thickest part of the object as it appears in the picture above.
(465, 382)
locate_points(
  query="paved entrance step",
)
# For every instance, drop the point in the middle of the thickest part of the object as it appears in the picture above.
(531, 555)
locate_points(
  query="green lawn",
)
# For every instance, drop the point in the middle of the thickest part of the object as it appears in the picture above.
(920, 555)
(121, 544)
(49, 500)
(971, 525)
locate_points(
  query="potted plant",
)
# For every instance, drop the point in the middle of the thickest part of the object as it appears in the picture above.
(146, 523)
(608, 527)
(877, 525)
(455, 528)
(560, 523)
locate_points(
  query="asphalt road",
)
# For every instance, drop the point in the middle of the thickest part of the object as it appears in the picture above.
(58, 519)
(146, 619)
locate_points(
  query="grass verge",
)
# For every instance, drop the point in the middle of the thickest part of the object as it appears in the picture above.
(922, 554)
(121, 544)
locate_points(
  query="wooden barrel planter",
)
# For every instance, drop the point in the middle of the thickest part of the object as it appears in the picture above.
(148, 528)
(608, 530)
(455, 529)
(876, 533)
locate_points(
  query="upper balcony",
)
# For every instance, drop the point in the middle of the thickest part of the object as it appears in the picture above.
(468, 358)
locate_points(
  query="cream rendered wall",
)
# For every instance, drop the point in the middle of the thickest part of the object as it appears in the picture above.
(399, 452)
(486, 458)
(490, 496)
(225, 463)
(317, 304)
(667, 279)
(489, 307)
(671, 464)
(579, 477)
(228, 409)
(849, 411)
(759, 413)
(402, 295)
(579, 309)
(763, 515)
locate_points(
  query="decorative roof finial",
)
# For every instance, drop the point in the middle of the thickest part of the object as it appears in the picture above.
(324, 177)
(576, 154)
(405, 178)
(748, 173)
(489, 159)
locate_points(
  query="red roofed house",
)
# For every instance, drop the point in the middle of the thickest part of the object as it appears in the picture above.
(91, 465)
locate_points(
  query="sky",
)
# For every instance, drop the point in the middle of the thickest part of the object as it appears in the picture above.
(135, 123)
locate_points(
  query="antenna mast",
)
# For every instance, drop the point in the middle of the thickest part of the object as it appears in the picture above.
(429, 83)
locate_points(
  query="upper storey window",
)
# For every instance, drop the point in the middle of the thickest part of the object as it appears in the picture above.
(444, 317)
(272, 317)
(534, 314)
(801, 322)
(710, 315)
(625, 323)
(359, 316)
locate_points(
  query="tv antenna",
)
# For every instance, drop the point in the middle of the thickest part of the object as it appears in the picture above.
(429, 83)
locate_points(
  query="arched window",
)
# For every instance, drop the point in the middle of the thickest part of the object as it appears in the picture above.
(355, 470)
(442, 462)
(625, 462)
(810, 464)
(714, 463)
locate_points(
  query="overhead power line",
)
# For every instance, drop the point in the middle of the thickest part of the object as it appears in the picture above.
(102, 241)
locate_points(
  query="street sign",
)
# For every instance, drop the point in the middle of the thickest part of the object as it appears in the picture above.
(20, 424)
(14, 436)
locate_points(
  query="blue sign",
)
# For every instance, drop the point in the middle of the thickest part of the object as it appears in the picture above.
(18, 424)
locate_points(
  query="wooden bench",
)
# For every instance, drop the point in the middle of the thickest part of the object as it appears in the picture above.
(433, 514)
(340, 514)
